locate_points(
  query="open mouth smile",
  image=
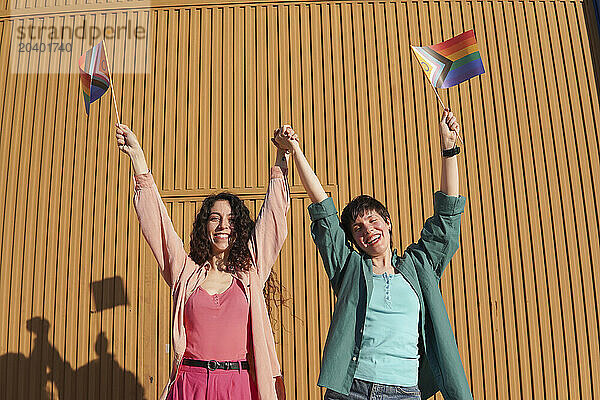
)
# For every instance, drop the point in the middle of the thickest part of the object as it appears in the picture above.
(374, 239)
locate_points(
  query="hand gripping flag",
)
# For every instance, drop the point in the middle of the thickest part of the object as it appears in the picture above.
(451, 62)
(94, 74)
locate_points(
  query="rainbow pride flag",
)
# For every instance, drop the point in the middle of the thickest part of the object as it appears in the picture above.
(451, 62)
(94, 74)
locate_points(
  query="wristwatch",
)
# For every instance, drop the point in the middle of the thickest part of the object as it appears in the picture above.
(451, 152)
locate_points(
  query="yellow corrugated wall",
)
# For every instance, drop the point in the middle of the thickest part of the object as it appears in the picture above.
(521, 292)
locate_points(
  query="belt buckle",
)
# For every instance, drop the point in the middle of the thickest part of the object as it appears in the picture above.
(212, 365)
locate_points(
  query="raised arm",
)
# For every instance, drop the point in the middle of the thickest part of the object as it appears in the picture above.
(440, 235)
(128, 144)
(270, 229)
(449, 130)
(309, 179)
(155, 222)
(326, 231)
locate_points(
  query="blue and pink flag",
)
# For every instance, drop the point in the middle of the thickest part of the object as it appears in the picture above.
(451, 62)
(94, 74)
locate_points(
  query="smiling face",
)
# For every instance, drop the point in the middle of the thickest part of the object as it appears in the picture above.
(371, 233)
(220, 227)
(367, 224)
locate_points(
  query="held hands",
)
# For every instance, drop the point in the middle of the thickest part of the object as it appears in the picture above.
(126, 140)
(449, 130)
(284, 138)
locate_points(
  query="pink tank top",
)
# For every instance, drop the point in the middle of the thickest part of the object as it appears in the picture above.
(217, 325)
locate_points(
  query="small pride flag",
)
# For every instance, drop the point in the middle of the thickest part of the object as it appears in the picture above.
(451, 62)
(94, 74)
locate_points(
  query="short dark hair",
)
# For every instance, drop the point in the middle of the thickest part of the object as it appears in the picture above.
(357, 207)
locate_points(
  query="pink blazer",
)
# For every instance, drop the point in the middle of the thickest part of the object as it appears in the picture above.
(183, 275)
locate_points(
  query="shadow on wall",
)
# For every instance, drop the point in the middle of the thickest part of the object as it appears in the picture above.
(46, 375)
(592, 21)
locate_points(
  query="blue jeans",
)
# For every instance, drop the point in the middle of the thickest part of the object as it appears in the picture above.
(362, 390)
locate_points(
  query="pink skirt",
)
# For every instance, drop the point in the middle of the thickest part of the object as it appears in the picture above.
(197, 383)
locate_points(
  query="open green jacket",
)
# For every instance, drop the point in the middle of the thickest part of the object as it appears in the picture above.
(422, 264)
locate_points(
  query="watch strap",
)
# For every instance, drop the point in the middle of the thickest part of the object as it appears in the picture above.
(451, 152)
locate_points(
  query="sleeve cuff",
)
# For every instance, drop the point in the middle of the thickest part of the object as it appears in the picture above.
(278, 172)
(322, 210)
(143, 180)
(448, 205)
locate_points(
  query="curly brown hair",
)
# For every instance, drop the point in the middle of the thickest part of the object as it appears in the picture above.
(242, 225)
(239, 258)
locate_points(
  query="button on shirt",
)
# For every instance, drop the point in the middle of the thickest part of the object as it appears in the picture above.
(389, 351)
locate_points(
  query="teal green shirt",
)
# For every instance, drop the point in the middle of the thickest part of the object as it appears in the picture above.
(389, 352)
(422, 264)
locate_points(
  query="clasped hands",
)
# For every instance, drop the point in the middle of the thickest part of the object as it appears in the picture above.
(284, 138)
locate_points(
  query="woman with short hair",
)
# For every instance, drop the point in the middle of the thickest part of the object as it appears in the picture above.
(390, 337)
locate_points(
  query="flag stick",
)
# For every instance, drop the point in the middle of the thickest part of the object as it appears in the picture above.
(112, 90)
(437, 95)
(444, 107)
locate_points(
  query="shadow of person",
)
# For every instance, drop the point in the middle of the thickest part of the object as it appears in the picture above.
(9, 376)
(105, 378)
(32, 377)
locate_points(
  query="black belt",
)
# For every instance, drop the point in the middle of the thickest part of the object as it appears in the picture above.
(212, 364)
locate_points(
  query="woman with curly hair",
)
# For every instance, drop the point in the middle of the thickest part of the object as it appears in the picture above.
(222, 339)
